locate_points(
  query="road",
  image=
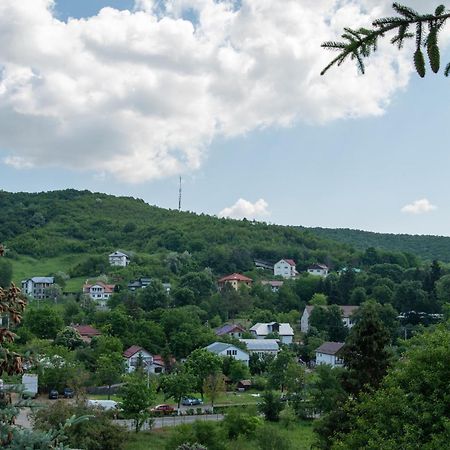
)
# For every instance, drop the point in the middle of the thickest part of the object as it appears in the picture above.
(171, 421)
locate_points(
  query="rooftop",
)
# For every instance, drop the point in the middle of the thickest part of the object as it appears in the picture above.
(330, 348)
(235, 276)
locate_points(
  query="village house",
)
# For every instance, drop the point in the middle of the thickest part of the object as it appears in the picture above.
(136, 355)
(262, 346)
(228, 350)
(320, 270)
(285, 268)
(140, 283)
(86, 332)
(235, 280)
(119, 259)
(233, 330)
(99, 292)
(330, 353)
(283, 330)
(274, 285)
(37, 287)
(347, 312)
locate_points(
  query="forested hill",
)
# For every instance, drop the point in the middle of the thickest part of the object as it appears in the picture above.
(426, 247)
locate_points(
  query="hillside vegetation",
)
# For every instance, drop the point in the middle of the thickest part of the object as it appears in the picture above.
(426, 247)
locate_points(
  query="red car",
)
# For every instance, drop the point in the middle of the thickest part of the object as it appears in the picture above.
(163, 410)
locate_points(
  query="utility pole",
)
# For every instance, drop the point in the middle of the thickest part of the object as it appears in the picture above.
(179, 197)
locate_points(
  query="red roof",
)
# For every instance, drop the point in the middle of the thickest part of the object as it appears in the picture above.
(291, 262)
(235, 277)
(128, 353)
(109, 288)
(86, 330)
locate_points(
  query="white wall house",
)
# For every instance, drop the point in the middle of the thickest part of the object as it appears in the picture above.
(347, 311)
(233, 330)
(329, 353)
(99, 292)
(320, 270)
(150, 363)
(262, 346)
(284, 330)
(119, 259)
(285, 268)
(36, 287)
(224, 349)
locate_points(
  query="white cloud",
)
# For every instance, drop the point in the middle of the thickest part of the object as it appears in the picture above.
(141, 94)
(245, 209)
(421, 206)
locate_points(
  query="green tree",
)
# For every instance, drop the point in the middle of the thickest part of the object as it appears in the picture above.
(270, 406)
(277, 369)
(6, 272)
(153, 296)
(110, 369)
(137, 398)
(177, 385)
(360, 43)
(69, 337)
(44, 322)
(213, 386)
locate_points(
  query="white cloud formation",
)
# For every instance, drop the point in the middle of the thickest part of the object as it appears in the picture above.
(245, 209)
(140, 94)
(421, 206)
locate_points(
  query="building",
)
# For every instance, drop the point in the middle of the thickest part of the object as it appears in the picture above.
(37, 287)
(86, 332)
(329, 353)
(99, 292)
(235, 280)
(320, 270)
(285, 268)
(150, 364)
(233, 330)
(140, 283)
(119, 259)
(347, 312)
(274, 285)
(262, 346)
(263, 265)
(283, 330)
(228, 350)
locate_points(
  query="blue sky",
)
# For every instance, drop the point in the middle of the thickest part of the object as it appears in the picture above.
(356, 168)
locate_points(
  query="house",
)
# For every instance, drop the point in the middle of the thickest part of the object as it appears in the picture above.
(224, 349)
(283, 330)
(330, 353)
(37, 287)
(285, 268)
(99, 292)
(262, 346)
(140, 283)
(150, 363)
(274, 285)
(244, 385)
(320, 270)
(347, 311)
(119, 259)
(233, 330)
(263, 265)
(86, 332)
(235, 280)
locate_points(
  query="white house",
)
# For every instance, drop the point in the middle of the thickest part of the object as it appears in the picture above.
(99, 292)
(320, 270)
(150, 363)
(347, 312)
(285, 268)
(224, 349)
(262, 346)
(119, 259)
(284, 330)
(275, 285)
(36, 287)
(329, 353)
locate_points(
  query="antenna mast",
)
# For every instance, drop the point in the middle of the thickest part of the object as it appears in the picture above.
(179, 197)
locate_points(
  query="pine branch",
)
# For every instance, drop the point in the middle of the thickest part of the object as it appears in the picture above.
(361, 43)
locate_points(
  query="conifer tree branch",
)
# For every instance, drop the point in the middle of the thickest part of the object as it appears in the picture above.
(359, 44)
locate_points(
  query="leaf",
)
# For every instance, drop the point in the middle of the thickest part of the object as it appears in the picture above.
(419, 62)
(405, 11)
(447, 70)
(439, 10)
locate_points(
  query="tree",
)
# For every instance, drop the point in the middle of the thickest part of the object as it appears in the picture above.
(44, 322)
(201, 363)
(328, 319)
(270, 406)
(360, 43)
(137, 398)
(214, 384)
(365, 352)
(110, 369)
(177, 385)
(69, 337)
(277, 369)
(5, 273)
(235, 370)
(153, 296)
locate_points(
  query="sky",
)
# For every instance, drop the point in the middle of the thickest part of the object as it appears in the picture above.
(124, 97)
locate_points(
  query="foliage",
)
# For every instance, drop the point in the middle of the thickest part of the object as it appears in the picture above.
(43, 322)
(69, 337)
(110, 369)
(361, 43)
(270, 406)
(207, 435)
(329, 320)
(177, 385)
(213, 385)
(278, 375)
(239, 421)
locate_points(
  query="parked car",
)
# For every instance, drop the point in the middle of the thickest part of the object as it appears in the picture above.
(53, 394)
(68, 393)
(163, 410)
(107, 405)
(190, 401)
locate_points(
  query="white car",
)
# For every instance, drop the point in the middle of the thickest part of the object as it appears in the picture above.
(107, 405)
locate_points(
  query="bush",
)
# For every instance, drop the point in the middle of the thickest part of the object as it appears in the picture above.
(270, 438)
(240, 421)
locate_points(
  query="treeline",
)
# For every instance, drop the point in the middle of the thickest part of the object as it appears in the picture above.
(426, 247)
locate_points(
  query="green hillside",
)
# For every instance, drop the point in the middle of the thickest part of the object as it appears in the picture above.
(426, 247)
